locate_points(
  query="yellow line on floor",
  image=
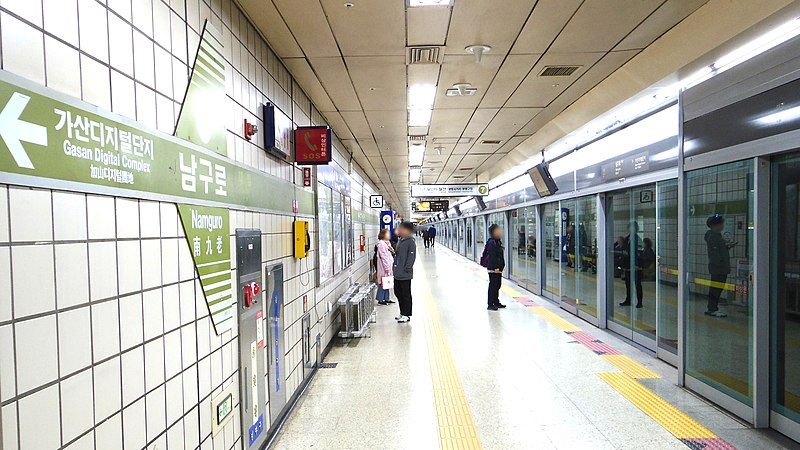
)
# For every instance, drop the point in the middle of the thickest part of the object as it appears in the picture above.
(630, 367)
(671, 418)
(554, 319)
(456, 428)
(511, 292)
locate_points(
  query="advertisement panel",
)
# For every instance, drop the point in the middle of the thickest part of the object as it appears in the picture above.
(449, 190)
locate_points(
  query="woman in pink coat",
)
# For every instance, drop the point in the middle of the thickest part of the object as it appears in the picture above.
(383, 265)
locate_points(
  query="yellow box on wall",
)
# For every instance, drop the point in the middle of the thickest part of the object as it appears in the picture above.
(302, 239)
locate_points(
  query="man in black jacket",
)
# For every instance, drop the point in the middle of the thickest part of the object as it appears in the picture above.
(404, 256)
(494, 260)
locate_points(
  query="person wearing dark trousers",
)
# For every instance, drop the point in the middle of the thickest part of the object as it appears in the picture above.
(432, 235)
(404, 256)
(494, 260)
(719, 263)
(632, 266)
(426, 238)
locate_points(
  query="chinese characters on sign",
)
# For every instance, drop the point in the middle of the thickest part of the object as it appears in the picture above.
(208, 235)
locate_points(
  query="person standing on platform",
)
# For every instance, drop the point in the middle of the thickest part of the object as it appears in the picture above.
(426, 238)
(405, 255)
(432, 235)
(494, 260)
(383, 266)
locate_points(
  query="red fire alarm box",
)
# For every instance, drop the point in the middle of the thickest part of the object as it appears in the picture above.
(362, 243)
(312, 145)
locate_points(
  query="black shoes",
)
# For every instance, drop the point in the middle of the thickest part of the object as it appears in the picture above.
(496, 306)
(625, 303)
(383, 302)
(500, 305)
(389, 302)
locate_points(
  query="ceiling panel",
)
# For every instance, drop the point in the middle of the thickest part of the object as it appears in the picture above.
(507, 122)
(374, 27)
(449, 122)
(336, 122)
(266, 17)
(599, 24)
(543, 26)
(538, 91)
(509, 144)
(309, 26)
(510, 75)
(369, 147)
(333, 75)
(358, 124)
(427, 26)
(387, 124)
(396, 146)
(664, 18)
(306, 77)
(380, 81)
(464, 69)
(610, 63)
(480, 119)
(486, 22)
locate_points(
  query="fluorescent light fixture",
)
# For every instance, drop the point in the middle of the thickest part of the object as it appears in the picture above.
(419, 117)
(776, 118)
(414, 175)
(516, 185)
(665, 155)
(416, 154)
(421, 96)
(415, 3)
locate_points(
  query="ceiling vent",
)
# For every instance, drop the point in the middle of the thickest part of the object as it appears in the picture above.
(424, 55)
(558, 71)
(466, 169)
(491, 142)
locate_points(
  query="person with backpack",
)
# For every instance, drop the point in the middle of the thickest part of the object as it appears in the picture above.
(383, 261)
(494, 260)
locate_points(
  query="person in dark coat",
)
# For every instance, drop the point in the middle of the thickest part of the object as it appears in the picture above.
(432, 235)
(404, 256)
(494, 260)
(719, 262)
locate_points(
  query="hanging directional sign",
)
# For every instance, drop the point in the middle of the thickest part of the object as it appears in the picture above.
(449, 190)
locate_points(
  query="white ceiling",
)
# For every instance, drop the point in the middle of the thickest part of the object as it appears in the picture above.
(352, 63)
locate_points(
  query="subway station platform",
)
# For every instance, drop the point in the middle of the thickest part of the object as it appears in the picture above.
(530, 376)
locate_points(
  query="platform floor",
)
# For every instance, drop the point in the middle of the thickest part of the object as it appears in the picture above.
(527, 377)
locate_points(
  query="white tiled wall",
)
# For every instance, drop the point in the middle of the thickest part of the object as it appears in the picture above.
(104, 340)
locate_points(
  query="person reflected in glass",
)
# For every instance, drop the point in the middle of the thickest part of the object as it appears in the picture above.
(631, 266)
(584, 249)
(719, 263)
(569, 245)
(493, 259)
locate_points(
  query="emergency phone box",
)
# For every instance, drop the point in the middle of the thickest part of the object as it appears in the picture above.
(302, 239)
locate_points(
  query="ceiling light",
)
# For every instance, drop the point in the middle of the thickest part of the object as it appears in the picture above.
(419, 117)
(348, 5)
(414, 3)
(421, 96)
(416, 154)
(776, 118)
(414, 175)
(439, 150)
(477, 50)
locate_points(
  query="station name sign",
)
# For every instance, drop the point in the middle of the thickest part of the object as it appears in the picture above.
(449, 190)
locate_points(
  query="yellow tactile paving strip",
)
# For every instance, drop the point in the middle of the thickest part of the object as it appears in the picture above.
(670, 417)
(554, 319)
(630, 367)
(456, 429)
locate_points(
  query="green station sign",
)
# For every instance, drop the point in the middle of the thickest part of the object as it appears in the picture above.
(50, 140)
